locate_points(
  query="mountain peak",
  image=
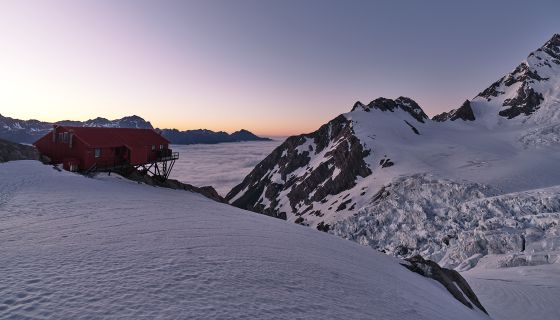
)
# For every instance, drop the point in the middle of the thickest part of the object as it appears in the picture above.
(553, 42)
(384, 104)
(530, 86)
(464, 112)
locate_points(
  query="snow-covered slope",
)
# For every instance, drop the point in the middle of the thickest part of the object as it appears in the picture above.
(76, 247)
(457, 176)
(525, 292)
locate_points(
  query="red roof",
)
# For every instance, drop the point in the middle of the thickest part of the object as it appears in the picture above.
(116, 137)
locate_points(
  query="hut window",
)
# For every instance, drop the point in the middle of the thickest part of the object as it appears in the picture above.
(153, 147)
(97, 152)
(65, 137)
(61, 137)
(161, 147)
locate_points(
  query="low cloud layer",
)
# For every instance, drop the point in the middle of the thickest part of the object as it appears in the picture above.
(221, 166)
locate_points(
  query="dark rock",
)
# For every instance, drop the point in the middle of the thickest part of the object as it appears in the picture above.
(464, 112)
(450, 279)
(138, 176)
(343, 205)
(322, 226)
(10, 151)
(412, 127)
(492, 90)
(383, 104)
(385, 163)
(526, 102)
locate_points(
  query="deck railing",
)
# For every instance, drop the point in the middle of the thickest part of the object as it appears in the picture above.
(168, 157)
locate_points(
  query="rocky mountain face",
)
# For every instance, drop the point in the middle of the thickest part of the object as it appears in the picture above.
(387, 176)
(290, 170)
(530, 88)
(464, 112)
(28, 131)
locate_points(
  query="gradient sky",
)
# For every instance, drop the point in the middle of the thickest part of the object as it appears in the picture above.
(273, 67)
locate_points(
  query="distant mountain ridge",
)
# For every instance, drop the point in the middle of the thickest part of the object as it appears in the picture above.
(28, 131)
(204, 136)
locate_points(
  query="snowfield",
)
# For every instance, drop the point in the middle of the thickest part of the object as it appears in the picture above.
(107, 248)
(518, 292)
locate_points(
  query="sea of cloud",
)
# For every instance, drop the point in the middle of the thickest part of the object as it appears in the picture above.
(222, 165)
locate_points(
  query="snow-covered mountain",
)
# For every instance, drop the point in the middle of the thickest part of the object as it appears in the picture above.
(28, 131)
(111, 248)
(481, 179)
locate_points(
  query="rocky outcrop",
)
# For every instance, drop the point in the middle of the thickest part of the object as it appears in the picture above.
(526, 102)
(287, 174)
(408, 105)
(464, 112)
(450, 279)
(206, 191)
(10, 151)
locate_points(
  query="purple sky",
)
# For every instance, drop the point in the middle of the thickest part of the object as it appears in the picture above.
(273, 67)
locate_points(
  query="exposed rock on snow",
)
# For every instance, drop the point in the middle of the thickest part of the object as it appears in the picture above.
(464, 112)
(450, 279)
(207, 191)
(14, 151)
(406, 104)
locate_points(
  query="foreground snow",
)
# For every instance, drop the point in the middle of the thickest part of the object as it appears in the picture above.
(519, 292)
(74, 247)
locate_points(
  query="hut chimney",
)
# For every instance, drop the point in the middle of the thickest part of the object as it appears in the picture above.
(55, 126)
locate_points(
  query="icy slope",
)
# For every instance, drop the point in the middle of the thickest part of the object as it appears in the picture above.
(74, 247)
